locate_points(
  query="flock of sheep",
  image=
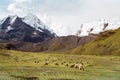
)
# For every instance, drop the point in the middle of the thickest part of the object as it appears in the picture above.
(57, 62)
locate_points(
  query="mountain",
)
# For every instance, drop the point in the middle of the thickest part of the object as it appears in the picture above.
(28, 29)
(106, 43)
(58, 44)
(97, 26)
(31, 34)
(35, 22)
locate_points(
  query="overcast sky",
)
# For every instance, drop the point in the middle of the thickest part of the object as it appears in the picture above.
(63, 16)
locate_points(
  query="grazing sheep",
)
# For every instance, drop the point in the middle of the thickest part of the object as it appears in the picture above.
(56, 64)
(36, 62)
(79, 66)
(46, 64)
(66, 65)
(76, 66)
(62, 63)
(72, 66)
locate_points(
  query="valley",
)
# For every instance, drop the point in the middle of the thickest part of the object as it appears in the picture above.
(17, 65)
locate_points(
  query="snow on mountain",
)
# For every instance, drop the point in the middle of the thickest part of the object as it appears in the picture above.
(3, 20)
(9, 28)
(12, 19)
(29, 29)
(97, 27)
(29, 19)
(35, 22)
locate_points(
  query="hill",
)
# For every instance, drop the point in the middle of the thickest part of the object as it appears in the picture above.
(107, 43)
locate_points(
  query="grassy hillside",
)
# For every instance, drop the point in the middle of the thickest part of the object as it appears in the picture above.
(107, 43)
(49, 66)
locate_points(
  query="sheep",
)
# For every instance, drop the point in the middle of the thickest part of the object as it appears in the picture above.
(62, 63)
(66, 65)
(46, 63)
(56, 64)
(72, 66)
(36, 62)
(79, 66)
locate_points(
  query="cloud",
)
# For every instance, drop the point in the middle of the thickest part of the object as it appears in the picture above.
(59, 28)
(66, 16)
(19, 7)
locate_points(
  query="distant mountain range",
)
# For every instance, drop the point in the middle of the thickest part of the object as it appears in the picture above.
(31, 34)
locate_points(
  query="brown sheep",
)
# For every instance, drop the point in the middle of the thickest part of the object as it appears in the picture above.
(62, 63)
(36, 62)
(56, 64)
(46, 63)
(72, 66)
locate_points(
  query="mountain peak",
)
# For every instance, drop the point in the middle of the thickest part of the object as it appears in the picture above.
(29, 29)
(13, 18)
(31, 16)
(97, 26)
(35, 22)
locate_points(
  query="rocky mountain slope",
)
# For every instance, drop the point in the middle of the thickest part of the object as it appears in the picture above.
(63, 43)
(28, 29)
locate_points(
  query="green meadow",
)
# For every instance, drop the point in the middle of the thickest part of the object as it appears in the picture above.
(16, 65)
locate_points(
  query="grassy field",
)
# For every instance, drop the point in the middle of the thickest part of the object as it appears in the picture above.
(16, 65)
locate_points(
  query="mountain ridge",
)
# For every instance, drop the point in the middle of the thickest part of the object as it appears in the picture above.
(13, 27)
(31, 34)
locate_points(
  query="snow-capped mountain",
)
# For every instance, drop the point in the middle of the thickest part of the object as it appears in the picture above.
(29, 28)
(97, 27)
(35, 22)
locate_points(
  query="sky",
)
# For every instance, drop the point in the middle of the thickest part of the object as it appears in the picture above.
(63, 16)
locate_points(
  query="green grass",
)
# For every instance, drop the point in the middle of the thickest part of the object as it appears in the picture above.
(16, 65)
